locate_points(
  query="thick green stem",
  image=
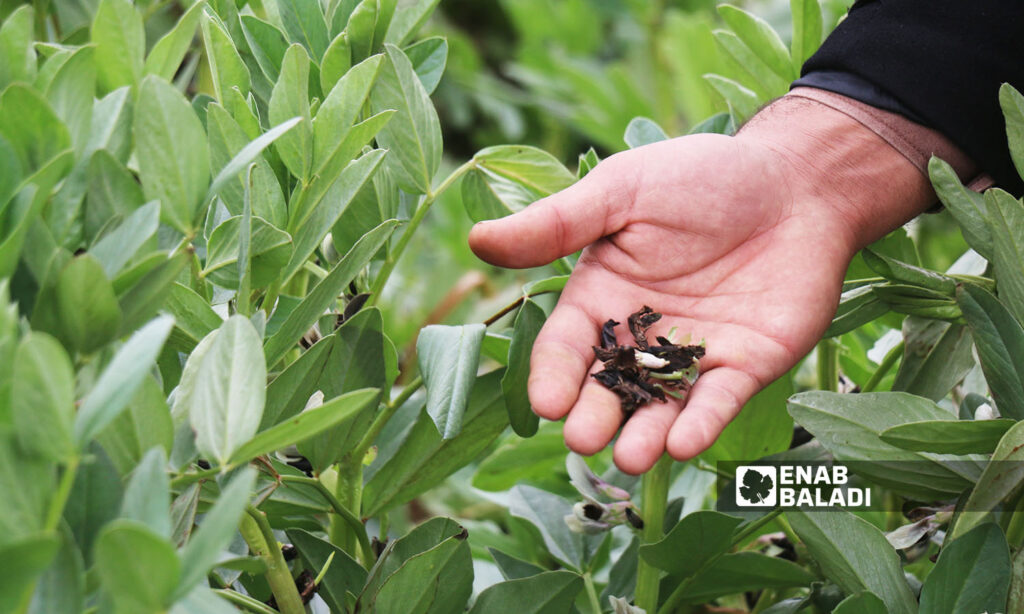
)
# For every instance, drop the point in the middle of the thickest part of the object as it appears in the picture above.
(260, 537)
(348, 491)
(654, 501)
(828, 365)
(883, 369)
(410, 229)
(357, 527)
(595, 602)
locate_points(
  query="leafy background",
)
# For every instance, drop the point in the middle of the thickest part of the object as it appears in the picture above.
(250, 364)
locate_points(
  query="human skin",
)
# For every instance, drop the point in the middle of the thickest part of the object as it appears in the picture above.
(742, 241)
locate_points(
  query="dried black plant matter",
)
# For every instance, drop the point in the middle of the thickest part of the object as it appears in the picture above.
(644, 372)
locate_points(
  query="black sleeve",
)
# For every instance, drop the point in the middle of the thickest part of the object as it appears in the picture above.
(939, 62)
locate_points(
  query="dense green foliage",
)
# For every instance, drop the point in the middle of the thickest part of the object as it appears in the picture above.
(237, 311)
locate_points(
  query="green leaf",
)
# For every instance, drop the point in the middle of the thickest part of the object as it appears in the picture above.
(147, 497)
(120, 39)
(408, 19)
(71, 93)
(761, 39)
(702, 535)
(138, 568)
(95, 499)
(522, 460)
(966, 206)
(936, 357)
(165, 57)
(28, 482)
(269, 251)
(226, 399)
(414, 135)
(999, 340)
(290, 99)
(61, 588)
(146, 296)
(1012, 104)
(226, 66)
(744, 572)
(948, 436)
(855, 555)
(1001, 477)
(763, 427)
(743, 102)
(535, 169)
(171, 149)
(547, 512)
(118, 246)
(112, 191)
(144, 426)
(304, 22)
(513, 385)
(216, 531)
(30, 125)
(848, 426)
(86, 306)
(16, 36)
(426, 459)
(1006, 214)
(288, 393)
(31, 198)
(344, 575)
(21, 562)
(901, 272)
(305, 425)
(428, 58)
(766, 78)
(972, 574)
(864, 602)
(42, 397)
(359, 30)
(336, 62)
(326, 292)
(448, 357)
(807, 30)
(120, 379)
(341, 109)
(551, 591)
(267, 43)
(512, 568)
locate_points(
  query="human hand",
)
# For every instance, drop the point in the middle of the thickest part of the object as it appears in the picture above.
(742, 241)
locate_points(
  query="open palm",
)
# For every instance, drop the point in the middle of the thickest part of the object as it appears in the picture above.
(711, 232)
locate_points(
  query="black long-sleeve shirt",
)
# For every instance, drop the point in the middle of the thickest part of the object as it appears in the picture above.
(937, 62)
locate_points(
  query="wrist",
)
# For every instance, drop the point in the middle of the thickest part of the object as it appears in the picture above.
(838, 168)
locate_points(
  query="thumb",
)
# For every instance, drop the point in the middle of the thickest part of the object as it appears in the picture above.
(559, 224)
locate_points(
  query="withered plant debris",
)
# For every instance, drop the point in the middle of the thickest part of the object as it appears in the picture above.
(644, 372)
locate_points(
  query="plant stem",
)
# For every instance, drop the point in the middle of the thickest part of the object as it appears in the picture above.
(186, 479)
(754, 526)
(883, 369)
(260, 537)
(348, 492)
(353, 522)
(654, 501)
(595, 603)
(382, 418)
(60, 499)
(410, 229)
(244, 601)
(828, 365)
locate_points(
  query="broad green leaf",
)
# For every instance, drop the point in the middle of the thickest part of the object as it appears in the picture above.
(848, 426)
(166, 56)
(807, 30)
(147, 496)
(742, 572)
(171, 149)
(344, 575)
(86, 306)
(948, 436)
(16, 36)
(763, 427)
(305, 425)
(937, 355)
(972, 574)
(551, 591)
(428, 58)
(538, 171)
(522, 460)
(901, 272)
(742, 102)
(28, 482)
(269, 251)
(512, 568)
(385, 12)
(10, 172)
(359, 30)
(1012, 104)
(43, 396)
(71, 94)
(216, 530)
(768, 80)
(21, 563)
(145, 297)
(95, 500)
(120, 379)
(408, 19)
(761, 39)
(112, 191)
(61, 588)
(336, 62)
(229, 391)
(448, 357)
(120, 39)
(426, 459)
(193, 317)
(118, 246)
(1006, 214)
(323, 295)
(290, 99)
(226, 66)
(487, 196)
(999, 340)
(917, 301)
(304, 22)
(414, 134)
(702, 535)
(1001, 477)
(145, 425)
(288, 393)
(341, 109)
(30, 125)
(547, 512)
(855, 555)
(513, 385)
(112, 124)
(31, 197)
(864, 602)
(138, 568)
(966, 206)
